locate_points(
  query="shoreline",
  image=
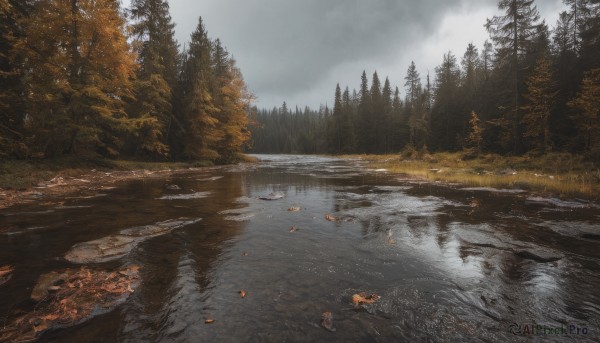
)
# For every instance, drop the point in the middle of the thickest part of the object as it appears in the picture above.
(558, 175)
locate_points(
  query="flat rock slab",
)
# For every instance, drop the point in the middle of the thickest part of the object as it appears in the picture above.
(273, 196)
(114, 247)
(70, 297)
(197, 195)
(539, 255)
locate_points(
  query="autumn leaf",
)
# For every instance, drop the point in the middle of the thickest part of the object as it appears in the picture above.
(363, 298)
(330, 217)
(242, 293)
(294, 209)
(5, 270)
(293, 229)
(209, 321)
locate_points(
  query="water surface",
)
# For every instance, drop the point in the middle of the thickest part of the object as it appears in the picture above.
(449, 264)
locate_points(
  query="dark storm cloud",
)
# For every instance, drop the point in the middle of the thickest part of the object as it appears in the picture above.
(285, 48)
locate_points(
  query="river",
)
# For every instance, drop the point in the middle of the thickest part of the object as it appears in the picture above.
(449, 263)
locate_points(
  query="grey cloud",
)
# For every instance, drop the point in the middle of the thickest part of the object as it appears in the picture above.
(285, 48)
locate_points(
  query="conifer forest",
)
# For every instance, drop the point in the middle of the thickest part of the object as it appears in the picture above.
(532, 88)
(90, 77)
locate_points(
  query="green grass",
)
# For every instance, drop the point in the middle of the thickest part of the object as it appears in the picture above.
(557, 173)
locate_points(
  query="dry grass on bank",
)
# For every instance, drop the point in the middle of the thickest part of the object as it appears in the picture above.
(557, 173)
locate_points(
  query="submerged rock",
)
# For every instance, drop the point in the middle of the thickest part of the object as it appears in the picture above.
(242, 217)
(114, 247)
(197, 195)
(273, 196)
(539, 255)
(69, 298)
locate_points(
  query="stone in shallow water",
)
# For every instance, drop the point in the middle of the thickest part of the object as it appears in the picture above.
(240, 217)
(71, 297)
(273, 196)
(111, 248)
(539, 255)
(197, 195)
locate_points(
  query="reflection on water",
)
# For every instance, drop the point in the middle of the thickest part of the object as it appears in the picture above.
(447, 263)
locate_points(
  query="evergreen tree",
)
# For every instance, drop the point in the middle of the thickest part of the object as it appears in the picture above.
(335, 125)
(470, 63)
(364, 114)
(157, 58)
(413, 83)
(587, 115)
(448, 124)
(513, 33)
(13, 135)
(374, 143)
(475, 137)
(199, 135)
(347, 132)
(79, 68)
(386, 123)
(540, 96)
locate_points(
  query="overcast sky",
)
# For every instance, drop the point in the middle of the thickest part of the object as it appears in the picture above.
(297, 50)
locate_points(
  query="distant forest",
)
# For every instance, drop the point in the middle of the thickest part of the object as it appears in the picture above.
(88, 78)
(529, 89)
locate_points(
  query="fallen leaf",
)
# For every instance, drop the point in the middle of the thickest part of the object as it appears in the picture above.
(391, 241)
(327, 321)
(209, 321)
(5, 270)
(244, 254)
(293, 229)
(330, 217)
(294, 209)
(242, 293)
(363, 298)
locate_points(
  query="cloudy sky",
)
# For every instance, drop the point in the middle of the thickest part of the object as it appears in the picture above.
(297, 50)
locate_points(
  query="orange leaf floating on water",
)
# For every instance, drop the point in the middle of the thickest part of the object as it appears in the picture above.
(327, 321)
(294, 209)
(209, 321)
(330, 217)
(293, 229)
(363, 298)
(5, 270)
(242, 293)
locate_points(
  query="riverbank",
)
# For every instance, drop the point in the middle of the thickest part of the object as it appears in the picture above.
(24, 181)
(558, 174)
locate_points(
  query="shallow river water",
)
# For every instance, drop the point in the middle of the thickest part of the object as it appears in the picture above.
(449, 263)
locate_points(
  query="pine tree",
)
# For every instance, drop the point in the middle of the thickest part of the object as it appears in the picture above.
(587, 115)
(386, 123)
(13, 135)
(334, 128)
(448, 123)
(541, 97)
(364, 114)
(513, 34)
(199, 135)
(79, 68)
(348, 123)
(470, 63)
(413, 83)
(157, 58)
(475, 137)
(374, 134)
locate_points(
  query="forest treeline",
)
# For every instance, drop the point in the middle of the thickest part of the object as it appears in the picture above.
(83, 77)
(529, 89)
